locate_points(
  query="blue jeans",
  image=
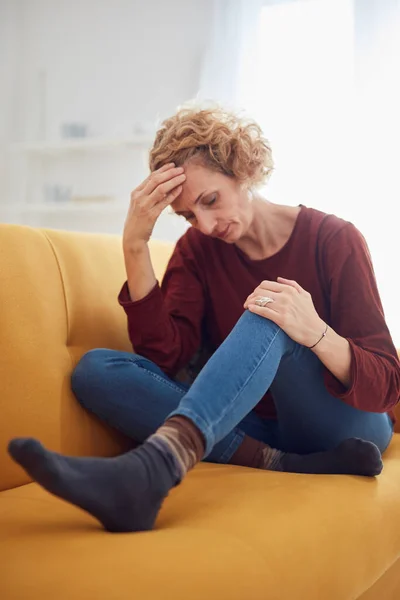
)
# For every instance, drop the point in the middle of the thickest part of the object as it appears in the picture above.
(133, 395)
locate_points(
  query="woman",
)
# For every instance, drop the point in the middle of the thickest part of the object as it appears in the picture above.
(304, 372)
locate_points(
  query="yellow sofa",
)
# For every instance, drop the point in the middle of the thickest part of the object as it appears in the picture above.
(226, 533)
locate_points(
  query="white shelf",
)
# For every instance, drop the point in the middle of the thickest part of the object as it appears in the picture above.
(72, 207)
(82, 144)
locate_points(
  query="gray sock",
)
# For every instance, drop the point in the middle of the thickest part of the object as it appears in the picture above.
(124, 493)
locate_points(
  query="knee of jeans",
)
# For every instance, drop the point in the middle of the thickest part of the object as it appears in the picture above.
(252, 318)
(89, 373)
(255, 323)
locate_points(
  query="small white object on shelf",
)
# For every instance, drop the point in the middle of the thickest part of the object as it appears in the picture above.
(89, 143)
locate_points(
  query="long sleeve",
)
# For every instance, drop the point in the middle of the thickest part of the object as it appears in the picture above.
(356, 313)
(165, 326)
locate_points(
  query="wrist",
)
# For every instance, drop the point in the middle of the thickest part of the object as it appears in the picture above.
(335, 353)
(133, 248)
(320, 333)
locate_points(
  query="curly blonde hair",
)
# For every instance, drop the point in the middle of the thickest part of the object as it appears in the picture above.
(217, 139)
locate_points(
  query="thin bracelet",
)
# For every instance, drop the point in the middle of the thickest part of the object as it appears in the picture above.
(322, 336)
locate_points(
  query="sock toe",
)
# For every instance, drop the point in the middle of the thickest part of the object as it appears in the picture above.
(26, 452)
(361, 456)
(19, 447)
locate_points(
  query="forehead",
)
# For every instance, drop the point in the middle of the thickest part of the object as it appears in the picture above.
(198, 180)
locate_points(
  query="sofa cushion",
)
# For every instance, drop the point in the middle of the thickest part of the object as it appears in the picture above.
(58, 298)
(226, 532)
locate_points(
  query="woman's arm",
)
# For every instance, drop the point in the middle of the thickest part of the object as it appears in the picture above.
(139, 270)
(148, 200)
(165, 324)
(335, 353)
(372, 382)
(362, 366)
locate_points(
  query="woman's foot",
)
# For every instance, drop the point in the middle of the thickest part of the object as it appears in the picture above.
(352, 457)
(124, 493)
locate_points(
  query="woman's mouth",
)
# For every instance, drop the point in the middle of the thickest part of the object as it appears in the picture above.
(224, 233)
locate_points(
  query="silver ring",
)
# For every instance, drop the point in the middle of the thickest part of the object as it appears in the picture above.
(263, 301)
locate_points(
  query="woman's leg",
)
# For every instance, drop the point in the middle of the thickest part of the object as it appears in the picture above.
(310, 419)
(235, 378)
(126, 493)
(255, 354)
(127, 391)
(133, 395)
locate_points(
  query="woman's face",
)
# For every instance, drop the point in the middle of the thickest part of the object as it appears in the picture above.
(213, 203)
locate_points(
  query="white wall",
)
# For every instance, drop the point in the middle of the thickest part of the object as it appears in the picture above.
(9, 60)
(108, 63)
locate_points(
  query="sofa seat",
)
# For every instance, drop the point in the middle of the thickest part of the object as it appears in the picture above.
(227, 532)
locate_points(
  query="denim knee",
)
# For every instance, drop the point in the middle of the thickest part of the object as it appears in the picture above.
(93, 376)
(88, 375)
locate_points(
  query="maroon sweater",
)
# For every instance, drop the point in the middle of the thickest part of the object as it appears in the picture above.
(208, 280)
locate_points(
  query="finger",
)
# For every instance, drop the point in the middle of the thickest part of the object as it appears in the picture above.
(158, 179)
(291, 282)
(169, 198)
(258, 293)
(250, 299)
(161, 191)
(160, 170)
(274, 286)
(170, 165)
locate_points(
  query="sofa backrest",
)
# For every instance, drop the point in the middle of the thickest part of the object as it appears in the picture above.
(58, 299)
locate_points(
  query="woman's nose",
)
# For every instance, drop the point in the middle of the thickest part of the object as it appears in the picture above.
(206, 224)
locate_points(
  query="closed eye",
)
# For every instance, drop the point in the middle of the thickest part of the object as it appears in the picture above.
(212, 201)
(191, 216)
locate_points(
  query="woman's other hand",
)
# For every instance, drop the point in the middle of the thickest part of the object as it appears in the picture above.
(292, 309)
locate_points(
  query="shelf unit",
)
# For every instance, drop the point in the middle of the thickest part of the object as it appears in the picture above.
(81, 144)
(102, 208)
(71, 161)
